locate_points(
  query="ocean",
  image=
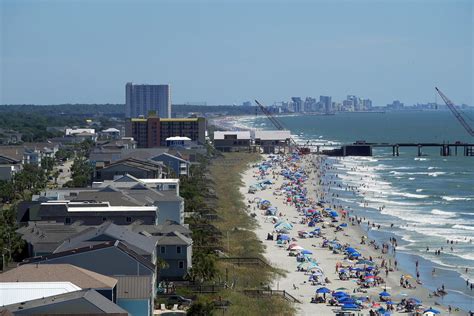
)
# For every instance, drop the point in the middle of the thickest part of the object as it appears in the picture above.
(428, 199)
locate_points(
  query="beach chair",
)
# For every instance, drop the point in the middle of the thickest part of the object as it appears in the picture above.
(175, 307)
(162, 307)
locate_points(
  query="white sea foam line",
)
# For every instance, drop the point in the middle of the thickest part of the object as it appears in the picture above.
(443, 213)
(457, 198)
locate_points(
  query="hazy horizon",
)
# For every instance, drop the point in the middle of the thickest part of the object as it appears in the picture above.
(228, 52)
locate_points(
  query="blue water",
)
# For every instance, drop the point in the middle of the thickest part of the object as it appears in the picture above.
(428, 199)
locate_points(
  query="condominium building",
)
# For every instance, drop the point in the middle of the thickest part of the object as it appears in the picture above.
(153, 131)
(144, 98)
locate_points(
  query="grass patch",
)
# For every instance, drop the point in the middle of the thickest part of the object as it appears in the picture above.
(239, 240)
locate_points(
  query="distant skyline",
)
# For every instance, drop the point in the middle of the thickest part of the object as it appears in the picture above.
(225, 52)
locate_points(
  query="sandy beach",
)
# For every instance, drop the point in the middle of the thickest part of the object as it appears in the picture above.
(297, 283)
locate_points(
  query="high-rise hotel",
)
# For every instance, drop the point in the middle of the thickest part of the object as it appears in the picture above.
(141, 99)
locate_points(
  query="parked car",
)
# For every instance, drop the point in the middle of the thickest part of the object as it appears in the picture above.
(177, 299)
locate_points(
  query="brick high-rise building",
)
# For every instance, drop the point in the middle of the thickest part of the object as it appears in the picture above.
(153, 131)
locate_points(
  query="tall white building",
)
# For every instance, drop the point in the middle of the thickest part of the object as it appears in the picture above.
(140, 99)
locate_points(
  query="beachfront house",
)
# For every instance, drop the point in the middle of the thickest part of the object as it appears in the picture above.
(232, 140)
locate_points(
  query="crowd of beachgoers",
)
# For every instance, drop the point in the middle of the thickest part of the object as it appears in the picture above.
(331, 264)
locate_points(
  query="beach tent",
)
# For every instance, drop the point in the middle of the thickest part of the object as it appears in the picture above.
(296, 247)
(271, 218)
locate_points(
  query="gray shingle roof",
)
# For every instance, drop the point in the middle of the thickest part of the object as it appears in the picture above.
(134, 287)
(118, 244)
(174, 238)
(83, 278)
(95, 235)
(93, 302)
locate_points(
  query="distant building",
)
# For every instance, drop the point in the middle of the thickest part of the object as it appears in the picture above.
(297, 104)
(143, 99)
(355, 102)
(154, 131)
(327, 103)
(367, 103)
(395, 105)
(247, 103)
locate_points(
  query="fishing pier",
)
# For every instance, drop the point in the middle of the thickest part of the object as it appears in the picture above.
(361, 148)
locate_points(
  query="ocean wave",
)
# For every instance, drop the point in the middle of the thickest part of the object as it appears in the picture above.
(435, 174)
(420, 159)
(456, 198)
(419, 190)
(411, 195)
(463, 227)
(442, 213)
(411, 179)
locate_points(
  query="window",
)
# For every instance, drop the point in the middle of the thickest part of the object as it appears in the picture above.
(178, 249)
(104, 219)
(129, 219)
(181, 264)
(67, 220)
(162, 249)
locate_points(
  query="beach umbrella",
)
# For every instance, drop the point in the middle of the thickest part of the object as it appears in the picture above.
(323, 290)
(340, 293)
(355, 254)
(306, 252)
(350, 250)
(431, 311)
(343, 225)
(384, 294)
(366, 262)
(342, 289)
(333, 214)
(350, 306)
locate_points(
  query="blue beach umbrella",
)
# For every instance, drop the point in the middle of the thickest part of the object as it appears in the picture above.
(350, 306)
(323, 290)
(355, 254)
(339, 293)
(350, 250)
(384, 294)
(431, 310)
(333, 214)
(343, 225)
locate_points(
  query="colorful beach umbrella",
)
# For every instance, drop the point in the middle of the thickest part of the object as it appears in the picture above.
(384, 294)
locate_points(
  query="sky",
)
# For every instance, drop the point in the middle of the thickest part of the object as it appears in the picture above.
(226, 52)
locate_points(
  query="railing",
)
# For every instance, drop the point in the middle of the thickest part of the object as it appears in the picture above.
(245, 261)
(287, 296)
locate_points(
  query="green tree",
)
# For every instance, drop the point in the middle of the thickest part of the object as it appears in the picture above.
(81, 173)
(200, 309)
(47, 164)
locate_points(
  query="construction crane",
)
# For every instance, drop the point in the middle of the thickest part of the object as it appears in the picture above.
(456, 113)
(279, 126)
